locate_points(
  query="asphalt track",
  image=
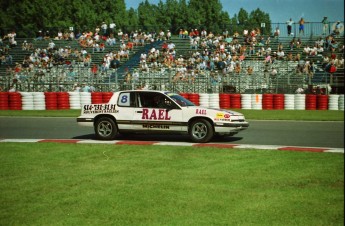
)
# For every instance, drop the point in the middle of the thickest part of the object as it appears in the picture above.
(259, 133)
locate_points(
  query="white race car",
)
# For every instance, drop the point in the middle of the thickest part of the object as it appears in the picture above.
(145, 111)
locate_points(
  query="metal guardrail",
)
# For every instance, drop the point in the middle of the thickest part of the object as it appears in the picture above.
(58, 78)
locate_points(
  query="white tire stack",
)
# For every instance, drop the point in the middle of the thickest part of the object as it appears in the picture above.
(27, 101)
(289, 101)
(74, 100)
(204, 100)
(341, 102)
(214, 101)
(256, 101)
(333, 102)
(39, 100)
(299, 101)
(246, 101)
(85, 98)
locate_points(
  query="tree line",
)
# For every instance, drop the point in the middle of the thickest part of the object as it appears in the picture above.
(27, 17)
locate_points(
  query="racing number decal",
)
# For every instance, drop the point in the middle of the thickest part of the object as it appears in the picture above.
(124, 99)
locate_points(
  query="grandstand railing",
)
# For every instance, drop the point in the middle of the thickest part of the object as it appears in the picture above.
(287, 80)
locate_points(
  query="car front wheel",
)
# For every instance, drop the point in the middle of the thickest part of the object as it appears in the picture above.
(105, 129)
(201, 131)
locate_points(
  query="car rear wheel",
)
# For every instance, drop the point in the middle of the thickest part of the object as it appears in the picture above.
(201, 131)
(105, 129)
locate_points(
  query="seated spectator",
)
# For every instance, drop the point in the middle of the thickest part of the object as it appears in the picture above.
(274, 71)
(280, 55)
(237, 68)
(339, 63)
(249, 70)
(306, 50)
(111, 41)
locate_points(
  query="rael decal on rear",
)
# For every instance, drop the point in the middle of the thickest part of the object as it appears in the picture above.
(99, 108)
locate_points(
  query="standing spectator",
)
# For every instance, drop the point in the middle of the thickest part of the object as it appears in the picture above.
(338, 27)
(289, 26)
(277, 32)
(112, 27)
(325, 25)
(104, 27)
(168, 36)
(301, 26)
(85, 88)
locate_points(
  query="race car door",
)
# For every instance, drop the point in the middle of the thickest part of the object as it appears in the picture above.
(157, 111)
(126, 105)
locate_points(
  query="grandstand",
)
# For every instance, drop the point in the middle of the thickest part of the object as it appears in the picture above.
(210, 80)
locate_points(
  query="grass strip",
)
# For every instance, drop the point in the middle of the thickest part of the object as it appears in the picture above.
(87, 184)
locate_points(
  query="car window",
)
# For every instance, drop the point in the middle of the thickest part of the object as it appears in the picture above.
(126, 99)
(156, 100)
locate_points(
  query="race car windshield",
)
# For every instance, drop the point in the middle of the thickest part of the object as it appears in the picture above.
(183, 102)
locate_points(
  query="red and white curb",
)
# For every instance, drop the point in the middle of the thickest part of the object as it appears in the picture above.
(213, 145)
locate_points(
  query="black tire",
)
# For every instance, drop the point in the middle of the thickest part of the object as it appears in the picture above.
(201, 131)
(105, 129)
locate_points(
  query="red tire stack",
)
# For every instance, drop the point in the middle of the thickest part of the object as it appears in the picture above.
(15, 101)
(51, 100)
(310, 102)
(322, 102)
(4, 101)
(267, 101)
(278, 101)
(235, 101)
(224, 100)
(96, 98)
(195, 98)
(106, 96)
(62, 100)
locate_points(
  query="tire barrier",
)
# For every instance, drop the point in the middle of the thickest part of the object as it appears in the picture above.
(51, 100)
(214, 100)
(278, 101)
(63, 101)
(289, 101)
(300, 102)
(235, 101)
(39, 101)
(106, 96)
(74, 100)
(310, 102)
(257, 101)
(96, 98)
(85, 98)
(224, 100)
(4, 101)
(246, 101)
(15, 101)
(194, 97)
(204, 100)
(341, 102)
(267, 101)
(333, 102)
(322, 102)
(27, 101)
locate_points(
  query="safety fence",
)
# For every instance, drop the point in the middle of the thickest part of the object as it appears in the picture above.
(75, 100)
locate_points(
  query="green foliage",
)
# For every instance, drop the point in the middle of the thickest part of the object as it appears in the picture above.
(28, 17)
